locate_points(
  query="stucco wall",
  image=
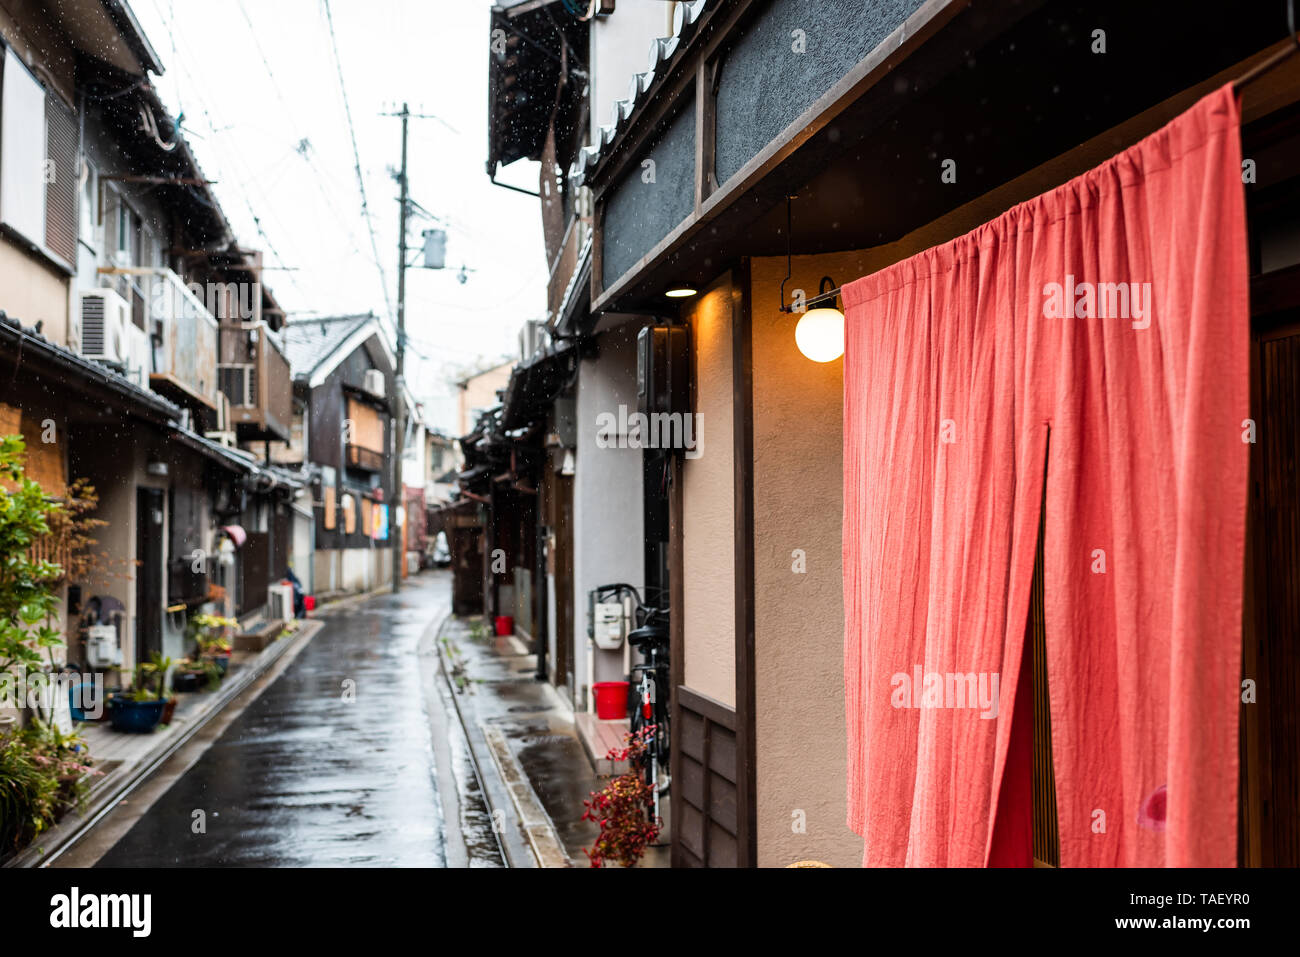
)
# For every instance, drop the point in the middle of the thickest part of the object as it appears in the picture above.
(799, 616)
(31, 292)
(118, 470)
(608, 521)
(480, 392)
(708, 503)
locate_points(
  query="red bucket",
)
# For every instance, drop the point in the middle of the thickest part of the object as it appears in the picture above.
(505, 625)
(309, 602)
(611, 699)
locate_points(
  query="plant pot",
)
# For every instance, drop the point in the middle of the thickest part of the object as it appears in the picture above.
(169, 709)
(135, 717)
(185, 681)
(223, 661)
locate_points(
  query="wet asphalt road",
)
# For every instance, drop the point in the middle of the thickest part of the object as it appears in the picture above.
(305, 777)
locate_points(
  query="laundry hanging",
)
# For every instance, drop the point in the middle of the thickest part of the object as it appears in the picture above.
(1112, 313)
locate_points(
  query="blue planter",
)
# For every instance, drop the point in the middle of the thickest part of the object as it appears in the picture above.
(135, 717)
(85, 693)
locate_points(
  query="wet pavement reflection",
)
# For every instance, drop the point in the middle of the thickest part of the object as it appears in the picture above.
(333, 765)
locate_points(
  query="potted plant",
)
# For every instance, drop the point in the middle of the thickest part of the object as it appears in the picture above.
(195, 674)
(140, 710)
(624, 808)
(161, 668)
(207, 632)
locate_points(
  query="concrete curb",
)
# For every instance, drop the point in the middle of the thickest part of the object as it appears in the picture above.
(346, 601)
(518, 849)
(105, 798)
(533, 818)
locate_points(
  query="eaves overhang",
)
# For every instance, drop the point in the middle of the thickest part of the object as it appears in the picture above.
(665, 56)
(19, 345)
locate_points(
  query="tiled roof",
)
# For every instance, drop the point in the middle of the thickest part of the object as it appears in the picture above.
(308, 343)
(662, 50)
(12, 331)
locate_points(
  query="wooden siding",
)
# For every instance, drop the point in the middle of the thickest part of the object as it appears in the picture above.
(706, 822)
(1270, 827)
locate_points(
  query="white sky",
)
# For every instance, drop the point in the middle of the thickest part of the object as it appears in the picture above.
(256, 77)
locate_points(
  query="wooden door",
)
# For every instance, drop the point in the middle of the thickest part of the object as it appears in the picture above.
(148, 572)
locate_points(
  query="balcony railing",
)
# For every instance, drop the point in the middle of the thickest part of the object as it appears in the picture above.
(182, 332)
(369, 460)
(254, 376)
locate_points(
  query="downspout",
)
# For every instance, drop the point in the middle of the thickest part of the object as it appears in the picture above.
(540, 626)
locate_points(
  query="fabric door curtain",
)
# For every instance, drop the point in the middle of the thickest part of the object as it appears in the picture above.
(1083, 356)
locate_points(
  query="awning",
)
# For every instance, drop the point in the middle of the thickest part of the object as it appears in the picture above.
(528, 44)
(533, 387)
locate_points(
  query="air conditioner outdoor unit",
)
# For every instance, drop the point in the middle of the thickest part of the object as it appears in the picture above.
(104, 318)
(374, 382)
(279, 602)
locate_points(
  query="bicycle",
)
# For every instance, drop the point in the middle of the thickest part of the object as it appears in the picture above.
(649, 687)
(651, 708)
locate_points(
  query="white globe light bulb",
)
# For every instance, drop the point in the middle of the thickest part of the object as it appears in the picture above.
(820, 334)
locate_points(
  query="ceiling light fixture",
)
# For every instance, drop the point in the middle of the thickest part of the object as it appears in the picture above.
(680, 292)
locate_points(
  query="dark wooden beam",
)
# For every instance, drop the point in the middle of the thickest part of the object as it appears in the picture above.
(742, 392)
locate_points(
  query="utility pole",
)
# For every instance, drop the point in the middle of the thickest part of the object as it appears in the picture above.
(395, 528)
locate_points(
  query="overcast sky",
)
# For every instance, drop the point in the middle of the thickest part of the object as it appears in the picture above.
(259, 88)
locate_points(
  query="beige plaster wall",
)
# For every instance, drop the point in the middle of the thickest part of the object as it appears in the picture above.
(798, 616)
(480, 392)
(32, 292)
(708, 503)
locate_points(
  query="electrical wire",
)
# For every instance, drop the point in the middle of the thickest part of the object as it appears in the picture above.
(356, 153)
(234, 157)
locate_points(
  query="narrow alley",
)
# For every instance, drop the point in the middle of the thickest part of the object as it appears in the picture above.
(333, 764)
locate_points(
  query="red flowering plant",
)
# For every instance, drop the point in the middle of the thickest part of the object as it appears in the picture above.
(624, 808)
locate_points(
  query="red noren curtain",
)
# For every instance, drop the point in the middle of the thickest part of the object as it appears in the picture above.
(1110, 315)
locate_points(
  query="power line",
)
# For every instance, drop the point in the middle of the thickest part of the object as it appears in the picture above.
(356, 153)
(234, 157)
(304, 145)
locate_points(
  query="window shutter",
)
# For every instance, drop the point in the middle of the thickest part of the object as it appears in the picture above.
(61, 148)
(327, 494)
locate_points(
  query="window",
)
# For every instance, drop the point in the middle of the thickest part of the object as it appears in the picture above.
(38, 174)
(327, 495)
(89, 220)
(22, 163)
(367, 428)
(122, 214)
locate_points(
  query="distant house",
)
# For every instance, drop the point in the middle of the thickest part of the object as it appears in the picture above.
(344, 386)
(479, 392)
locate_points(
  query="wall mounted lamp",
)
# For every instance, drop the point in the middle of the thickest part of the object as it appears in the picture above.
(820, 332)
